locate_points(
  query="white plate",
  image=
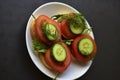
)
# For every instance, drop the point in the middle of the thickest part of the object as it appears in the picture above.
(75, 70)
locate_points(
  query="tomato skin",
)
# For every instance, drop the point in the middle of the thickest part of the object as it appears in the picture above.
(39, 32)
(77, 55)
(58, 66)
(66, 31)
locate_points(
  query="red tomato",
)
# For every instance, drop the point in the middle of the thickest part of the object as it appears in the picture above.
(38, 27)
(66, 31)
(77, 55)
(58, 66)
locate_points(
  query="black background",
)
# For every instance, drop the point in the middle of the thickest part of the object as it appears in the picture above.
(103, 15)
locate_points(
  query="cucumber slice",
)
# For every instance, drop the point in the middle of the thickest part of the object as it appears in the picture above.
(76, 24)
(76, 30)
(85, 46)
(51, 31)
(58, 53)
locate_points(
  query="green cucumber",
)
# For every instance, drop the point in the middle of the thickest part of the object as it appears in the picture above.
(58, 52)
(85, 46)
(50, 31)
(76, 30)
(76, 24)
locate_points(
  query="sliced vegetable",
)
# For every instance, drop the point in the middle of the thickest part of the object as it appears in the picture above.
(85, 46)
(75, 29)
(58, 52)
(80, 50)
(58, 66)
(50, 31)
(72, 24)
(39, 27)
(66, 31)
(76, 24)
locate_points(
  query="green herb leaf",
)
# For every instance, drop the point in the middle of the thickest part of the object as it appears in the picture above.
(39, 46)
(33, 16)
(55, 17)
(77, 20)
(68, 42)
(87, 30)
(60, 17)
(57, 74)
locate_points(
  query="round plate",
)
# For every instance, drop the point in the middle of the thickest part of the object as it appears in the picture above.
(75, 70)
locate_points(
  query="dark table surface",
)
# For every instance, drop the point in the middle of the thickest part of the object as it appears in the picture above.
(103, 15)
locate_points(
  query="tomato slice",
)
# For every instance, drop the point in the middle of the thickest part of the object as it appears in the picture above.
(77, 55)
(66, 31)
(65, 28)
(58, 66)
(39, 31)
